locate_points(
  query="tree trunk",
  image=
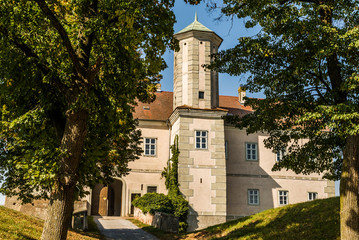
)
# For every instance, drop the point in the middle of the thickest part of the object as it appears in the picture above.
(349, 187)
(62, 197)
(59, 214)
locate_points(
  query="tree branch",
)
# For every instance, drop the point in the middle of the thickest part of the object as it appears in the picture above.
(86, 40)
(26, 50)
(91, 74)
(305, 1)
(65, 38)
(321, 95)
(320, 78)
(29, 53)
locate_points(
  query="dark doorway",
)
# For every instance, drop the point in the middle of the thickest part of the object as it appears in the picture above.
(133, 196)
(106, 200)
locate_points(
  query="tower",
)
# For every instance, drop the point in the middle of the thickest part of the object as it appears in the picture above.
(197, 121)
(193, 85)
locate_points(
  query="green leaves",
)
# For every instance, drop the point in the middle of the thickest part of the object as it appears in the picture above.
(57, 57)
(305, 61)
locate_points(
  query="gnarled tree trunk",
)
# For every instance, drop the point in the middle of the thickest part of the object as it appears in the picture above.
(349, 187)
(59, 214)
(62, 198)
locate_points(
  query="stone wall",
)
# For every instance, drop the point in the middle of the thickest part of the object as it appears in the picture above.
(39, 207)
(145, 218)
(165, 222)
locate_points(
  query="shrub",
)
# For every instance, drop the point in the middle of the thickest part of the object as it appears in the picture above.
(154, 202)
(180, 205)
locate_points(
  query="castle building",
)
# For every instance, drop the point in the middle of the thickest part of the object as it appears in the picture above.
(223, 172)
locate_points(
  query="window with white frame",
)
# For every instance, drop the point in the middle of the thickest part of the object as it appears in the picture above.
(253, 197)
(279, 155)
(150, 146)
(252, 151)
(283, 197)
(201, 139)
(312, 196)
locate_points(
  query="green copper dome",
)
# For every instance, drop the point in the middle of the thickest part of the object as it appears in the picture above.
(196, 26)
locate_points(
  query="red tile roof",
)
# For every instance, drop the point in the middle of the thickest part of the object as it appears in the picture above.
(162, 107)
(233, 106)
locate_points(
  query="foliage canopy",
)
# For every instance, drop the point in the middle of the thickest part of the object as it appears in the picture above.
(305, 60)
(63, 57)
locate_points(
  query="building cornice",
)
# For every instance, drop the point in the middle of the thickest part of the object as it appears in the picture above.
(201, 35)
(149, 123)
(196, 113)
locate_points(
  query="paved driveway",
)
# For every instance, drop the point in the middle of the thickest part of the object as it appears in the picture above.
(117, 228)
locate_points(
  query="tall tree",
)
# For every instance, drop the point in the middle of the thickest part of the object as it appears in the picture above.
(70, 74)
(305, 59)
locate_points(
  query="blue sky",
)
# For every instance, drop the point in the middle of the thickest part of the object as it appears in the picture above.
(229, 30)
(226, 29)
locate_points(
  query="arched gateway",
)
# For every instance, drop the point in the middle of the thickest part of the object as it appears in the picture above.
(107, 200)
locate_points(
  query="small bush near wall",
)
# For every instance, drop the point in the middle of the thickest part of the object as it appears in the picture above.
(158, 202)
(154, 202)
(180, 210)
(170, 173)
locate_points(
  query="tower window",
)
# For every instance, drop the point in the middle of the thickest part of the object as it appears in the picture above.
(201, 139)
(201, 95)
(200, 42)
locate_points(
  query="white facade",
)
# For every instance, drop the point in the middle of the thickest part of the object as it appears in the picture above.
(223, 172)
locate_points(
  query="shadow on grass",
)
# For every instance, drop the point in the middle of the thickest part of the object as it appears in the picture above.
(92, 230)
(305, 221)
(155, 231)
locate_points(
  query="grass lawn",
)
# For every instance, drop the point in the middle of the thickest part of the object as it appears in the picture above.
(313, 220)
(16, 225)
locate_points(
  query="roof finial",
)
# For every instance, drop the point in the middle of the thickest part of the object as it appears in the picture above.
(195, 16)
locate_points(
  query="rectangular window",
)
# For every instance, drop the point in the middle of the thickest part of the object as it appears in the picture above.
(201, 139)
(150, 146)
(151, 189)
(201, 95)
(253, 197)
(280, 155)
(251, 151)
(283, 197)
(312, 196)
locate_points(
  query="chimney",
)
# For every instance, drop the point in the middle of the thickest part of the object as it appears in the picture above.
(241, 94)
(158, 87)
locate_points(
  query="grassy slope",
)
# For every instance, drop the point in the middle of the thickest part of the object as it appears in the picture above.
(15, 225)
(313, 220)
(304, 221)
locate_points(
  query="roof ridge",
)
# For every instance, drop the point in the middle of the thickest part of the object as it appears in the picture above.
(195, 26)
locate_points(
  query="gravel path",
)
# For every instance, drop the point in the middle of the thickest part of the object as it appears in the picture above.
(117, 228)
